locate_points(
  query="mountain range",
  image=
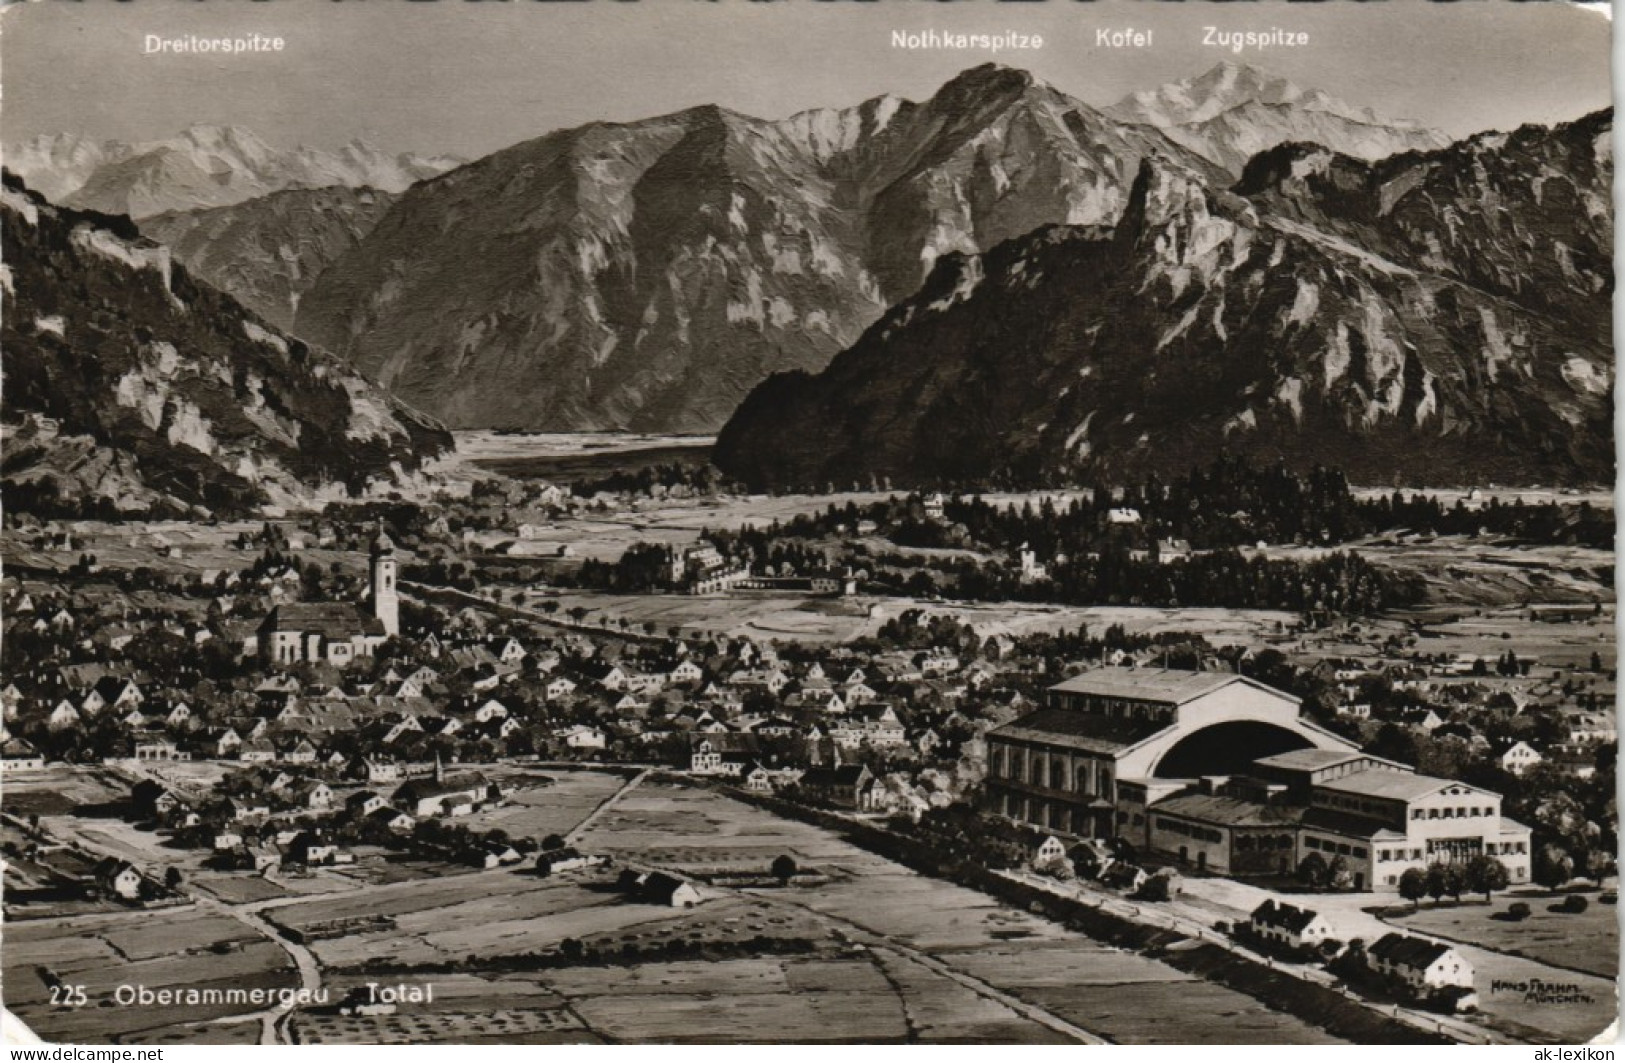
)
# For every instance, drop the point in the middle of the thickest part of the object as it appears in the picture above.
(133, 388)
(267, 252)
(1000, 280)
(1235, 111)
(1432, 317)
(203, 166)
(646, 275)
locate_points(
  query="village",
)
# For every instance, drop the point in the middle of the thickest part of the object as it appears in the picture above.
(347, 703)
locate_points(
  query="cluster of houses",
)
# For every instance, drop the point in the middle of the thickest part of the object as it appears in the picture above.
(266, 817)
(1517, 720)
(1416, 969)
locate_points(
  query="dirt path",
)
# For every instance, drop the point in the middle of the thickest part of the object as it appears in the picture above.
(1185, 919)
(604, 806)
(272, 1028)
(310, 977)
(881, 941)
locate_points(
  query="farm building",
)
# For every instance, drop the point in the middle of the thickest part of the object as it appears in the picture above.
(1422, 965)
(1289, 925)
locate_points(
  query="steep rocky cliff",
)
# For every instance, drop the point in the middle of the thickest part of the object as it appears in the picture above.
(132, 387)
(267, 252)
(648, 275)
(1434, 317)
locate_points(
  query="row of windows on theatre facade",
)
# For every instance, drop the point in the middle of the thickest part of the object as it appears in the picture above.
(1090, 776)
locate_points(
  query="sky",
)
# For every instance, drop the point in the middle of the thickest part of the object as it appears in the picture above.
(470, 77)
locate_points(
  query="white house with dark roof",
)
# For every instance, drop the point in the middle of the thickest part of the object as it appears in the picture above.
(1516, 757)
(1383, 822)
(1423, 966)
(1289, 925)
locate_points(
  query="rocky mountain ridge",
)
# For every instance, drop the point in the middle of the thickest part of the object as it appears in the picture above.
(202, 166)
(131, 388)
(645, 276)
(267, 252)
(1441, 315)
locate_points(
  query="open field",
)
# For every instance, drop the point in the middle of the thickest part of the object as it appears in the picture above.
(766, 615)
(1587, 941)
(1552, 645)
(555, 808)
(174, 949)
(877, 953)
(1492, 573)
(184, 547)
(900, 916)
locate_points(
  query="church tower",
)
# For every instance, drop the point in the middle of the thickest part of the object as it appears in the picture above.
(386, 598)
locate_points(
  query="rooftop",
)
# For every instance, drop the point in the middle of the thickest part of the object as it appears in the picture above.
(333, 620)
(1287, 916)
(1407, 950)
(1350, 825)
(1229, 811)
(1311, 759)
(1166, 685)
(1078, 730)
(1392, 785)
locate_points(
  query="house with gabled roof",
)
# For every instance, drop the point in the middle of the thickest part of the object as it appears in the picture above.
(1289, 925)
(119, 878)
(1420, 964)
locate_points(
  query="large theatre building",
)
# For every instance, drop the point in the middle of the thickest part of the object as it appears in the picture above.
(1222, 773)
(1108, 740)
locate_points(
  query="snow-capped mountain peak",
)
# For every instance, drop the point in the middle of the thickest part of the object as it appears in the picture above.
(1235, 110)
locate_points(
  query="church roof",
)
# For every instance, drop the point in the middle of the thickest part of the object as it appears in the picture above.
(331, 620)
(382, 543)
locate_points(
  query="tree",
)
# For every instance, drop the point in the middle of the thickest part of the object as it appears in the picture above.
(1339, 874)
(784, 868)
(1562, 818)
(1438, 882)
(1312, 871)
(1485, 874)
(1455, 880)
(1162, 886)
(1553, 867)
(1413, 886)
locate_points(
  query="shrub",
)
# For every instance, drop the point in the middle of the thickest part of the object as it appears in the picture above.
(1519, 911)
(1575, 904)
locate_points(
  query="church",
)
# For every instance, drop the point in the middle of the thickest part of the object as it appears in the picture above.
(337, 632)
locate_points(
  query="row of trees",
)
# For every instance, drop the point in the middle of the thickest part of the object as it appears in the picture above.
(1478, 874)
